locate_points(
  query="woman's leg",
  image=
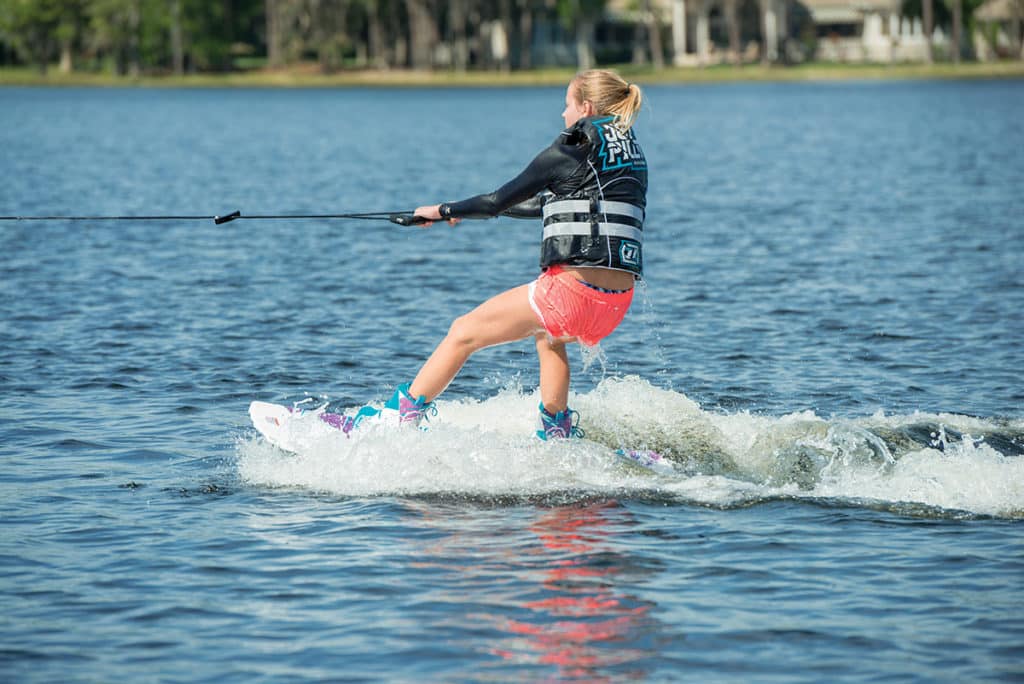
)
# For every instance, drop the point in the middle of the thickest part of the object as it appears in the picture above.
(506, 317)
(554, 373)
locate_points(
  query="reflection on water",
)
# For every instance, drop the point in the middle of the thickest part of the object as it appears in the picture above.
(553, 591)
(585, 624)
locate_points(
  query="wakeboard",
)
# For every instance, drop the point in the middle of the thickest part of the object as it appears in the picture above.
(276, 423)
(273, 421)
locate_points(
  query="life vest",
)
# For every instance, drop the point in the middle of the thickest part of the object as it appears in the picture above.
(596, 217)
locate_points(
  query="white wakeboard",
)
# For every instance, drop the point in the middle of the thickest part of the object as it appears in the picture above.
(273, 421)
(278, 426)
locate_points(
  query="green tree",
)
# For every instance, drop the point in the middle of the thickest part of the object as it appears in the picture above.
(582, 15)
(210, 31)
(527, 10)
(69, 31)
(423, 33)
(30, 27)
(177, 36)
(329, 32)
(647, 35)
(365, 31)
(953, 15)
(116, 28)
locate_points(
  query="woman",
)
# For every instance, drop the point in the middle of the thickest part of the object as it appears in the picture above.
(590, 188)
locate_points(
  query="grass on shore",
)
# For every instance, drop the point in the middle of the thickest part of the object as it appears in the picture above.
(307, 76)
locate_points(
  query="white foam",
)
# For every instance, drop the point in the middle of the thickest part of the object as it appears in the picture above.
(484, 448)
(967, 476)
(487, 448)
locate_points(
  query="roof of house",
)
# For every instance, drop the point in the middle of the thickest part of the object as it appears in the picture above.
(1000, 10)
(848, 11)
(822, 11)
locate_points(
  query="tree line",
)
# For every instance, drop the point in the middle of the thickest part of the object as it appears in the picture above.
(133, 37)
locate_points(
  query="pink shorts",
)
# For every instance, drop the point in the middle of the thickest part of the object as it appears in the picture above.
(568, 308)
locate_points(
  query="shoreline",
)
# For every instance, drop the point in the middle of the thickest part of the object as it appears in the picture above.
(305, 76)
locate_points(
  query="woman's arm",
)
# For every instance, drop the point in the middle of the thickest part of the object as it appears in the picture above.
(518, 197)
(527, 209)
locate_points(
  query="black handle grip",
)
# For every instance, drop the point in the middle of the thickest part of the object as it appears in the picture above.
(408, 219)
(227, 217)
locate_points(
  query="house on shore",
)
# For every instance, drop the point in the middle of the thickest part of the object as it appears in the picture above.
(998, 30)
(697, 32)
(868, 31)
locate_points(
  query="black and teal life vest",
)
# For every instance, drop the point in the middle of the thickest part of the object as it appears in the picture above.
(596, 216)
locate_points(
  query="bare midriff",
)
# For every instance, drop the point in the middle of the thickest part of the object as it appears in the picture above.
(608, 278)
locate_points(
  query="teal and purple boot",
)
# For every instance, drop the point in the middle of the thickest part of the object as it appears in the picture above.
(406, 409)
(561, 425)
(401, 405)
(400, 409)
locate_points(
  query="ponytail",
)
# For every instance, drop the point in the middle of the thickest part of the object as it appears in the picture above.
(610, 94)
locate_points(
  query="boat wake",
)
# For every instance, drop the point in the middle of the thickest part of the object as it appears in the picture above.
(922, 464)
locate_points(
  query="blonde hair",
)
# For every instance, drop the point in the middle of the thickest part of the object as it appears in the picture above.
(610, 94)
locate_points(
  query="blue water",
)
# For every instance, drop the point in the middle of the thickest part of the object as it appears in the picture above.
(828, 346)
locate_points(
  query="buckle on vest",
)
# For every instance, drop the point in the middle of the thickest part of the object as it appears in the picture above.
(595, 219)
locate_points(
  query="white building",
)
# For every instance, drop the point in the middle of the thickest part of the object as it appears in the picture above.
(997, 32)
(845, 30)
(868, 31)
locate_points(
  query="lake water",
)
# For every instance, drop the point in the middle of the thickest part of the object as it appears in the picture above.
(829, 346)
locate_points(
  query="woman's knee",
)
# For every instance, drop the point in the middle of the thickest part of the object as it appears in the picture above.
(546, 342)
(463, 332)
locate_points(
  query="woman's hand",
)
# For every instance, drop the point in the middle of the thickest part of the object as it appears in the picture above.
(433, 213)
